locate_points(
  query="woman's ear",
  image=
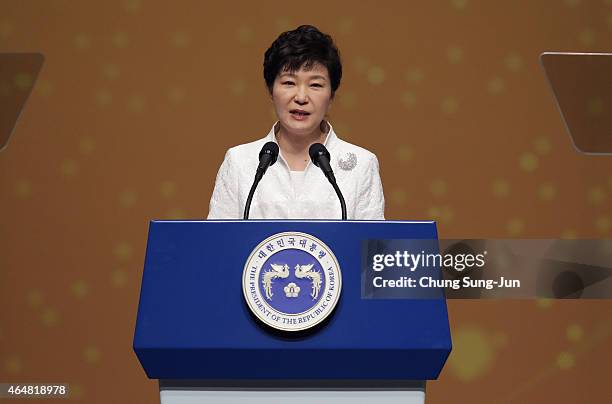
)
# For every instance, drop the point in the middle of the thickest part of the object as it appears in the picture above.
(330, 104)
(324, 126)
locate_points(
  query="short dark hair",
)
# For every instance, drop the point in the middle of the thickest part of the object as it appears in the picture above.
(302, 48)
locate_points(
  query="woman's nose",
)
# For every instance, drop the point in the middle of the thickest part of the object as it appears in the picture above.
(301, 95)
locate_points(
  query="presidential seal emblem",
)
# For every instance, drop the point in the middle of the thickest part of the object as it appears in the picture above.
(292, 281)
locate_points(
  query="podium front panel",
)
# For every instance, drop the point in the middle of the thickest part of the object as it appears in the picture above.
(193, 321)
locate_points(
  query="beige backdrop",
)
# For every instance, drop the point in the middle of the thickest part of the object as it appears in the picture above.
(138, 101)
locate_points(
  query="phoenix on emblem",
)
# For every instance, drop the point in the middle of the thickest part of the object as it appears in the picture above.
(306, 271)
(277, 271)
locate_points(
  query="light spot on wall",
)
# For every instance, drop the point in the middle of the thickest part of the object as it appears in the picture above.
(376, 75)
(136, 103)
(176, 94)
(595, 106)
(13, 365)
(544, 303)
(515, 227)
(176, 214)
(128, 198)
(132, 6)
(345, 25)
(514, 62)
(87, 144)
(44, 87)
(409, 99)
(454, 54)
(50, 316)
(120, 40)
(438, 187)
(500, 188)
(398, 196)
(122, 251)
(80, 289)
(91, 354)
(167, 189)
(603, 223)
(23, 189)
(6, 28)
(459, 4)
(245, 34)
(587, 37)
(415, 75)
(68, 168)
(118, 278)
(528, 162)
(347, 99)
(542, 145)
(496, 85)
(547, 191)
(180, 40)
(284, 24)
(449, 105)
(238, 86)
(23, 81)
(111, 71)
(569, 234)
(574, 332)
(82, 41)
(596, 195)
(405, 153)
(34, 298)
(103, 97)
(473, 353)
(565, 360)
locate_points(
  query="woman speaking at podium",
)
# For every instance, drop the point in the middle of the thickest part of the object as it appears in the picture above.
(302, 71)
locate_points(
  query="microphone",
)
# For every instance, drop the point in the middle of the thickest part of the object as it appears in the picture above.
(267, 157)
(320, 157)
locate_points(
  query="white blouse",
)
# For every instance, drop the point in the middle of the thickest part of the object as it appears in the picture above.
(283, 195)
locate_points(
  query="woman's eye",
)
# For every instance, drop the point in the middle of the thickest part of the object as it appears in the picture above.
(287, 83)
(316, 85)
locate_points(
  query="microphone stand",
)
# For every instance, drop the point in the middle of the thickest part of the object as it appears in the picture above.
(342, 202)
(267, 157)
(247, 206)
(320, 157)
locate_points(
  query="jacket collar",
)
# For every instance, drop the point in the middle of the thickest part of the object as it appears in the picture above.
(330, 139)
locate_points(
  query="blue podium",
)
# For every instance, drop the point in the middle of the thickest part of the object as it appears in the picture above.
(196, 333)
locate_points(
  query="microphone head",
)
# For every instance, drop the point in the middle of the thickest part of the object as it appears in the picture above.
(270, 149)
(316, 151)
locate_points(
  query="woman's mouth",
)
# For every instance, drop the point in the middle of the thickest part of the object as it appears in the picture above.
(299, 114)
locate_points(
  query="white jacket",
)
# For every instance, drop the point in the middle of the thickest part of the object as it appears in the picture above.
(279, 197)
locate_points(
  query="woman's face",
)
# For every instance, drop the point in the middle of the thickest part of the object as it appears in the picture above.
(302, 98)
